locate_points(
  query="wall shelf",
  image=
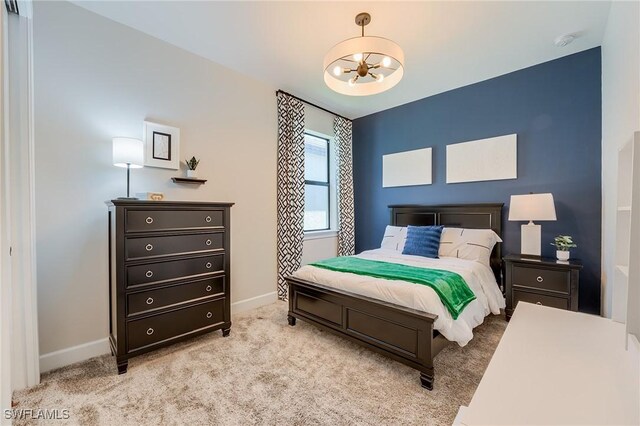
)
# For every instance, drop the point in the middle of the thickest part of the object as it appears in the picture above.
(192, 181)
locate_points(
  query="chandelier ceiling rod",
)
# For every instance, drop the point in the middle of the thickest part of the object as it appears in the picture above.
(363, 19)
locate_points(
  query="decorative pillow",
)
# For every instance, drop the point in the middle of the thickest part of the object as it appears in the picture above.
(470, 244)
(423, 241)
(394, 238)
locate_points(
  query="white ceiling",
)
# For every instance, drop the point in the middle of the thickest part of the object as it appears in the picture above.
(447, 44)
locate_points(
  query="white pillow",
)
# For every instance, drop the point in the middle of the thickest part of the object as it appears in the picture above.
(470, 244)
(394, 238)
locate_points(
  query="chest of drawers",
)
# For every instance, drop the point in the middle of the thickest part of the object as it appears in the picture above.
(169, 274)
(542, 281)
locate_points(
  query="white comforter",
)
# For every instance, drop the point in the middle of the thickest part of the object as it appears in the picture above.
(479, 278)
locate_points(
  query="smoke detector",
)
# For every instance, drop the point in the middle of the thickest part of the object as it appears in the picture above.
(563, 40)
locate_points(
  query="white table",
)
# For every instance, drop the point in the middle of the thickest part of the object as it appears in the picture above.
(556, 367)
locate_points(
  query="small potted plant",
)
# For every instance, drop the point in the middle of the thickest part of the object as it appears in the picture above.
(191, 167)
(563, 243)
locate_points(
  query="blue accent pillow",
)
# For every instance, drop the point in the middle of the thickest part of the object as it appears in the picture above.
(423, 241)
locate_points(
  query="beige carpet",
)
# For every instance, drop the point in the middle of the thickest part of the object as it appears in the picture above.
(266, 372)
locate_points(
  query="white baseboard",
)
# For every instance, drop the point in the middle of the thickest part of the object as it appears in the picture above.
(74, 354)
(82, 352)
(253, 302)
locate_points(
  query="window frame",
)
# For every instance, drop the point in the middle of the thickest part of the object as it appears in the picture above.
(326, 184)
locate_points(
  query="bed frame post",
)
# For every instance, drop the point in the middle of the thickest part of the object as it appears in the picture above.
(426, 380)
(290, 318)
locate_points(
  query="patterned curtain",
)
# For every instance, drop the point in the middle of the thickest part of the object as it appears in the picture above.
(290, 188)
(346, 227)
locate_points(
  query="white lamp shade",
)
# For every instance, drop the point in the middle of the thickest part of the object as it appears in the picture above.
(368, 46)
(128, 152)
(530, 207)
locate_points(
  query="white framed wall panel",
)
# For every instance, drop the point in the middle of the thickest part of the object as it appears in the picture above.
(482, 160)
(407, 168)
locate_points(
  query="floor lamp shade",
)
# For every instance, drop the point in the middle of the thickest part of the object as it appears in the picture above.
(128, 152)
(530, 207)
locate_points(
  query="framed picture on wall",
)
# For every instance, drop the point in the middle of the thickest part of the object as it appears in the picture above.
(162, 146)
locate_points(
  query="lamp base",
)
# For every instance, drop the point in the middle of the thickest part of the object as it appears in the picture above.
(530, 239)
(128, 198)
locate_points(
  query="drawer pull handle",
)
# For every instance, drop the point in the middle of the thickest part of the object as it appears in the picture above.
(208, 265)
(150, 301)
(207, 219)
(539, 303)
(209, 315)
(148, 247)
(149, 331)
(208, 288)
(149, 220)
(539, 279)
(208, 242)
(149, 274)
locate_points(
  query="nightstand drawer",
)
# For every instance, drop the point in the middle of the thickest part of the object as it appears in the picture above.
(539, 278)
(539, 299)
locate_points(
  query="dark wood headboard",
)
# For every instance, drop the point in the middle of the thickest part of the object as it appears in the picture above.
(473, 216)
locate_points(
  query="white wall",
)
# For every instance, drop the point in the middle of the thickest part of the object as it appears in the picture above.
(620, 118)
(95, 79)
(323, 244)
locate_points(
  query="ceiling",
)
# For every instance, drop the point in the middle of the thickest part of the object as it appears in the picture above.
(447, 44)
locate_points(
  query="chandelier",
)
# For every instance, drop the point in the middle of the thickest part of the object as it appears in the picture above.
(363, 65)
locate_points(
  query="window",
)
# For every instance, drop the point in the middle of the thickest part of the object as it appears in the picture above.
(316, 183)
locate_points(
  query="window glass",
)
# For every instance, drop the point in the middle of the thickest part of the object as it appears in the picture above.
(316, 159)
(316, 207)
(316, 177)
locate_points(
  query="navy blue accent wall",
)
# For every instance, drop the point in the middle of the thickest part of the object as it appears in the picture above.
(555, 109)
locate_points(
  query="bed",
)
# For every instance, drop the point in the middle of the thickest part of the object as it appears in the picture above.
(402, 327)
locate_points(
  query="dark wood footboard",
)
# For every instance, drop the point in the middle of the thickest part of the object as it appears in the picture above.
(403, 334)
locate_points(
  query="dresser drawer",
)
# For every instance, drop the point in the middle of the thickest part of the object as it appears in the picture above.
(539, 299)
(150, 247)
(164, 297)
(164, 220)
(161, 272)
(159, 328)
(539, 278)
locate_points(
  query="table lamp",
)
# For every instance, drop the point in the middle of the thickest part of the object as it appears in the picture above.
(129, 153)
(530, 207)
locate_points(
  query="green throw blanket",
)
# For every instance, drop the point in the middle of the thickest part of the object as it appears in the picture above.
(454, 292)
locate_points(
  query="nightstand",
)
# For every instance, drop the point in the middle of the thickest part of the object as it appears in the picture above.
(541, 280)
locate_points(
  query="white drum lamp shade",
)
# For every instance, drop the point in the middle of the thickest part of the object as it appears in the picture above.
(377, 50)
(530, 207)
(128, 152)
(364, 65)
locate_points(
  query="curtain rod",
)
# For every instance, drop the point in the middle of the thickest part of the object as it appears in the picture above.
(312, 104)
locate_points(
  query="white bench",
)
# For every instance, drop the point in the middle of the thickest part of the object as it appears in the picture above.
(555, 367)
